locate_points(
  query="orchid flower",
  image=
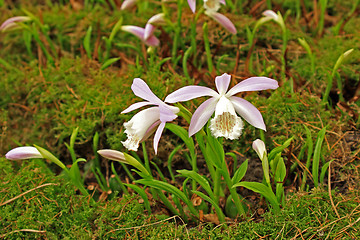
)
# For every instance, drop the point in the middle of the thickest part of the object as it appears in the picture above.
(127, 4)
(260, 149)
(225, 105)
(21, 153)
(11, 23)
(211, 9)
(142, 124)
(271, 15)
(146, 34)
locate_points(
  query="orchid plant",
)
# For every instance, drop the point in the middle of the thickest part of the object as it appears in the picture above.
(226, 123)
(36, 152)
(269, 15)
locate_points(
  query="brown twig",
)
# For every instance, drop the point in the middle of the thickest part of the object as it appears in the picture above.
(22, 194)
(22, 230)
(330, 195)
(151, 224)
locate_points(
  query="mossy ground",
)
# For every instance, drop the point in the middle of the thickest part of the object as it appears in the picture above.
(41, 103)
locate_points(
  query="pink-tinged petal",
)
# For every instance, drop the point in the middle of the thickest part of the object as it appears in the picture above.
(202, 115)
(136, 106)
(190, 92)
(150, 130)
(166, 114)
(137, 31)
(253, 84)
(140, 33)
(11, 22)
(113, 155)
(248, 112)
(222, 20)
(157, 19)
(21, 153)
(149, 30)
(157, 136)
(127, 4)
(152, 41)
(223, 2)
(192, 5)
(270, 14)
(222, 83)
(142, 90)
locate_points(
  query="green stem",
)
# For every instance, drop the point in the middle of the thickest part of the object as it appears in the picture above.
(207, 48)
(177, 31)
(234, 195)
(146, 158)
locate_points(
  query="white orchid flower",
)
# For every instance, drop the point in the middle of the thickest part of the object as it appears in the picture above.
(276, 17)
(144, 123)
(225, 105)
(260, 149)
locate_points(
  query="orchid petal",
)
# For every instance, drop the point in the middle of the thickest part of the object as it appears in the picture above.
(152, 41)
(192, 5)
(166, 114)
(190, 92)
(253, 84)
(150, 130)
(142, 90)
(271, 14)
(157, 136)
(259, 147)
(202, 115)
(223, 2)
(140, 33)
(249, 112)
(137, 31)
(149, 30)
(113, 155)
(222, 83)
(135, 106)
(222, 20)
(21, 153)
(157, 19)
(127, 4)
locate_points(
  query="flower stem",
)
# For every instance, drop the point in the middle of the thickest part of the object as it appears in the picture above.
(207, 48)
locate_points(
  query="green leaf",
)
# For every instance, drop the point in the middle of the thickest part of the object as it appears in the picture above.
(115, 29)
(280, 172)
(323, 170)
(279, 149)
(262, 189)
(86, 42)
(170, 189)
(199, 179)
(135, 163)
(240, 172)
(183, 134)
(171, 156)
(47, 155)
(218, 210)
(316, 158)
(215, 150)
(108, 62)
(74, 172)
